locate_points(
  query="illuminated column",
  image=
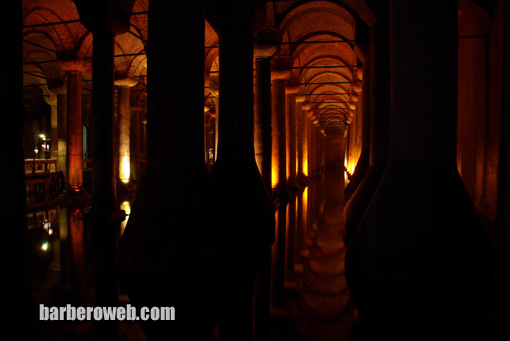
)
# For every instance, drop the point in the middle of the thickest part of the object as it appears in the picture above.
(215, 90)
(74, 124)
(379, 125)
(52, 100)
(312, 150)
(279, 132)
(364, 158)
(420, 244)
(291, 88)
(123, 123)
(58, 136)
(235, 172)
(299, 139)
(306, 138)
(262, 112)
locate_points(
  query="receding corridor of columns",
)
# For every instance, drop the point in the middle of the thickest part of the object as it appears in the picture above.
(257, 170)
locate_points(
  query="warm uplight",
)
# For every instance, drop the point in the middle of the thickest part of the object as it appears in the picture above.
(346, 167)
(126, 207)
(124, 169)
(274, 176)
(349, 167)
(305, 165)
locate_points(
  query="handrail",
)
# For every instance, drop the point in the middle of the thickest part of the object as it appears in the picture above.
(40, 166)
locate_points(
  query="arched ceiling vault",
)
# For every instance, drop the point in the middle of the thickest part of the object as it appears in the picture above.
(316, 43)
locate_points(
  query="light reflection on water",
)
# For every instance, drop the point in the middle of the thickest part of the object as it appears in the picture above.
(308, 259)
(60, 252)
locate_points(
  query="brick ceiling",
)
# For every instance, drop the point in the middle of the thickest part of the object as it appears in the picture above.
(315, 42)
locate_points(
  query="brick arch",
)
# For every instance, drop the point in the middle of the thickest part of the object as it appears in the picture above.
(66, 37)
(334, 17)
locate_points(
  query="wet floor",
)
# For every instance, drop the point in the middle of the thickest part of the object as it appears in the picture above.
(309, 295)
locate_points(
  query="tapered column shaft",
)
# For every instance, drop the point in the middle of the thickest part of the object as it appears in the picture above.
(279, 139)
(74, 131)
(262, 115)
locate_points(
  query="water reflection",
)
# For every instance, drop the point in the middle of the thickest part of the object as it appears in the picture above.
(61, 259)
(315, 253)
(308, 283)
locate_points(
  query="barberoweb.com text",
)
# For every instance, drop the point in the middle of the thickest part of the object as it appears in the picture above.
(129, 313)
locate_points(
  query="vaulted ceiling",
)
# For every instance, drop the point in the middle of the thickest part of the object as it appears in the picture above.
(315, 41)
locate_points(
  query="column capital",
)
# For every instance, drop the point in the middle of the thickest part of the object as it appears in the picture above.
(300, 98)
(74, 65)
(357, 86)
(126, 82)
(51, 99)
(281, 74)
(264, 50)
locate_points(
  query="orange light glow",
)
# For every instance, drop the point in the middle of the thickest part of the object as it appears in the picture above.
(274, 177)
(124, 170)
(125, 206)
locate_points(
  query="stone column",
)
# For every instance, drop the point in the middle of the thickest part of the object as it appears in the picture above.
(420, 244)
(312, 152)
(364, 158)
(262, 111)
(58, 142)
(104, 216)
(52, 101)
(263, 157)
(18, 300)
(74, 163)
(235, 172)
(291, 89)
(175, 245)
(306, 140)
(123, 123)
(279, 132)
(379, 124)
(299, 139)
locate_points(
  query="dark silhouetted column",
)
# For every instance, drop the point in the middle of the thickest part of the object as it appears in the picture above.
(420, 251)
(263, 157)
(235, 172)
(18, 296)
(291, 89)
(174, 248)
(379, 123)
(262, 111)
